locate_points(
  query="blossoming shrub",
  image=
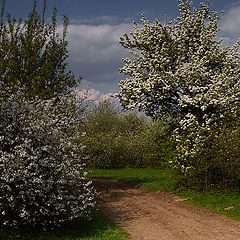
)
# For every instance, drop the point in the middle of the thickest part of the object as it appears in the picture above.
(42, 175)
(179, 69)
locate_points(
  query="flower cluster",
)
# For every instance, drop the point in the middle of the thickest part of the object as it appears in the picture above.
(179, 69)
(42, 175)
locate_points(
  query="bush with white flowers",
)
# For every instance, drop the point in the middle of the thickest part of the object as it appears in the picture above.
(42, 175)
(179, 69)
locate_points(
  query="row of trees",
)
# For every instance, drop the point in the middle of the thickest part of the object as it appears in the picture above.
(116, 139)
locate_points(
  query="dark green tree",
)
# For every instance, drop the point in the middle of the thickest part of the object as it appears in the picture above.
(33, 54)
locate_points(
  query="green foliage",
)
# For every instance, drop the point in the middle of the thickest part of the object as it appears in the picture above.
(33, 55)
(115, 139)
(217, 164)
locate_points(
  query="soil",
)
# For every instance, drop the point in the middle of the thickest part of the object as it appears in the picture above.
(149, 215)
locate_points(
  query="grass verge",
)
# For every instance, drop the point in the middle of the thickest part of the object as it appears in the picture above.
(99, 228)
(151, 178)
(224, 202)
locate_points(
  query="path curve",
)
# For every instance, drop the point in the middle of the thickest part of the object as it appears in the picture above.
(161, 216)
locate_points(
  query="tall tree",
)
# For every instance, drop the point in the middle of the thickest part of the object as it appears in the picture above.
(33, 54)
(178, 67)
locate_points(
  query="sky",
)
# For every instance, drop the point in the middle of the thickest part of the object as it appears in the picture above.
(96, 26)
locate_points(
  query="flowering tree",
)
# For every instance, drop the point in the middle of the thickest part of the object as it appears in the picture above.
(42, 171)
(179, 69)
(43, 177)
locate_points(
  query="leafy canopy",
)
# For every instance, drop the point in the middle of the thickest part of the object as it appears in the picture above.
(33, 54)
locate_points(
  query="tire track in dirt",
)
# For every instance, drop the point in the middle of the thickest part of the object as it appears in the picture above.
(161, 216)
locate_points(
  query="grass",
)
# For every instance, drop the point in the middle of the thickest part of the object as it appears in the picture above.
(153, 179)
(100, 228)
(225, 202)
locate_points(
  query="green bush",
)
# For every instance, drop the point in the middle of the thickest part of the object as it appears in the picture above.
(227, 157)
(116, 139)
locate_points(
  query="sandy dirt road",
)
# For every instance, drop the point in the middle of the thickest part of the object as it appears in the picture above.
(161, 216)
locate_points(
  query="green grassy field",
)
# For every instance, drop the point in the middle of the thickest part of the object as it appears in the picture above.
(100, 228)
(227, 203)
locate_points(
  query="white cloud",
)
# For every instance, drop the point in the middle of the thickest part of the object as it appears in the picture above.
(88, 95)
(94, 44)
(95, 96)
(95, 53)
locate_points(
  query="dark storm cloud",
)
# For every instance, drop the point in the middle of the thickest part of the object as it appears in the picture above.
(95, 52)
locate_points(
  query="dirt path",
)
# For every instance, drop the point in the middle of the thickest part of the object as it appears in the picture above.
(161, 216)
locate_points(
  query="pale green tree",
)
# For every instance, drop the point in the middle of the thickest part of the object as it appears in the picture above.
(33, 54)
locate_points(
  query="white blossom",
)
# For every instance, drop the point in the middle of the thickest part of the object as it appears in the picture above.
(179, 69)
(42, 169)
